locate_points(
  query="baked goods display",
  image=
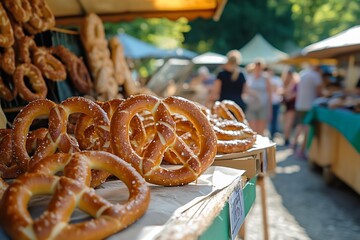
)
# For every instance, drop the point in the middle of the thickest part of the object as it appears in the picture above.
(65, 149)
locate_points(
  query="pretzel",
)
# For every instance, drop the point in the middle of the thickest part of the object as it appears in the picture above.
(76, 69)
(92, 31)
(67, 194)
(6, 31)
(22, 123)
(50, 67)
(236, 145)
(58, 138)
(41, 19)
(25, 46)
(8, 165)
(8, 61)
(20, 9)
(228, 109)
(5, 92)
(35, 78)
(165, 138)
(118, 59)
(3, 187)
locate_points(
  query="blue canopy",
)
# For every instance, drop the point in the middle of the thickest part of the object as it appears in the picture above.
(135, 48)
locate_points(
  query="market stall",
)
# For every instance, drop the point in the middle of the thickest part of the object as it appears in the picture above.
(90, 154)
(334, 143)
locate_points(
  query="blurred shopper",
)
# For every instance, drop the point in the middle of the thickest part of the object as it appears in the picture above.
(290, 80)
(308, 89)
(259, 99)
(202, 84)
(276, 96)
(230, 83)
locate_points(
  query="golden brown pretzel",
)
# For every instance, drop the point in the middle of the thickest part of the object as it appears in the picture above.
(236, 145)
(228, 109)
(22, 123)
(3, 187)
(6, 31)
(59, 139)
(8, 61)
(50, 67)
(20, 9)
(54, 222)
(165, 138)
(76, 69)
(118, 59)
(92, 31)
(41, 19)
(8, 166)
(5, 92)
(35, 78)
(25, 46)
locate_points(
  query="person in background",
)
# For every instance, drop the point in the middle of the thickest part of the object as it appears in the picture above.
(290, 80)
(308, 89)
(276, 96)
(259, 99)
(230, 83)
(202, 85)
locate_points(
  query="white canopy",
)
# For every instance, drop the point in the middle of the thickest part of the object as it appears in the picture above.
(341, 43)
(258, 47)
(210, 58)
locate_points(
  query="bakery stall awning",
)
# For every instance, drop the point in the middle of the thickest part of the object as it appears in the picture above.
(342, 43)
(72, 12)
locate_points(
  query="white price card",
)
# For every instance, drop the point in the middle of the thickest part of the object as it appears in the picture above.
(237, 211)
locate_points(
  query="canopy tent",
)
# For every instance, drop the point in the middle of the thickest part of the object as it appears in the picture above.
(136, 49)
(258, 47)
(341, 43)
(209, 58)
(72, 12)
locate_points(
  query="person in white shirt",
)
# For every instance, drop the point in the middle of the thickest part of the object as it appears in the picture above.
(308, 89)
(276, 92)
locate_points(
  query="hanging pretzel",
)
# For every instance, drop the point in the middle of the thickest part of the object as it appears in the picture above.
(6, 31)
(41, 19)
(5, 92)
(35, 78)
(67, 194)
(165, 138)
(20, 9)
(8, 61)
(76, 69)
(25, 46)
(50, 67)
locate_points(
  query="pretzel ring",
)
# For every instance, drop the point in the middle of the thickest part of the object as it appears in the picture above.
(36, 80)
(41, 19)
(236, 145)
(228, 109)
(20, 9)
(164, 139)
(58, 137)
(76, 68)
(50, 67)
(92, 31)
(6, 31)
(8, 61)
(5, 91)
(107, 218)
(24, 119)
(25, 46)
(8, 165)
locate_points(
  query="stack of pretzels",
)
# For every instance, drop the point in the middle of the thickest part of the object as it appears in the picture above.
(21, 58)
(136, 140)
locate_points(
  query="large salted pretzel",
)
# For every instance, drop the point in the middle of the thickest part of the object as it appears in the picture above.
(58, 137)
(69, 193)
(164, 139)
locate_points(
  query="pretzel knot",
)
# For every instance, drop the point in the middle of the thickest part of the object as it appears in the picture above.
(59, 139)
(68, 194)
(164, 139)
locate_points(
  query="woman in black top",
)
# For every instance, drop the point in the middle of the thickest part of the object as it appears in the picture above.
(231, 83)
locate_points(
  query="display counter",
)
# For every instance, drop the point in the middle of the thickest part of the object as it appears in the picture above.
(334, 143)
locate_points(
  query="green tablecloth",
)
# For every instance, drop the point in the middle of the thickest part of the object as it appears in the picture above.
(345, 121)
